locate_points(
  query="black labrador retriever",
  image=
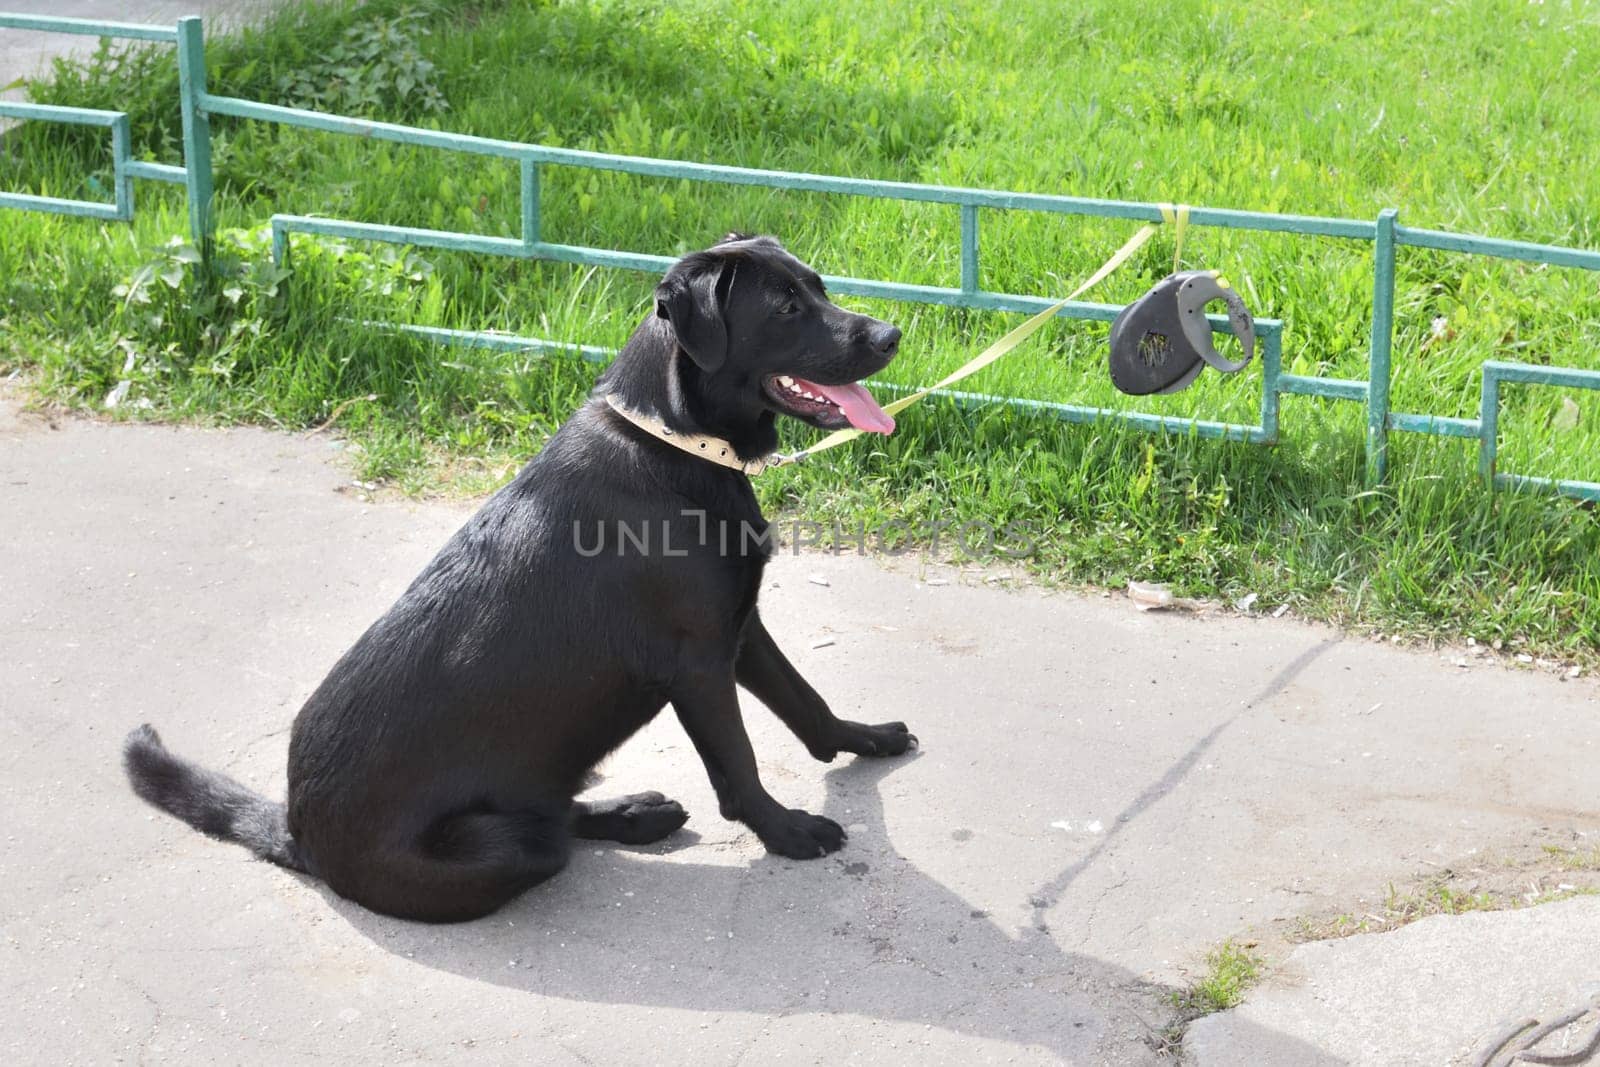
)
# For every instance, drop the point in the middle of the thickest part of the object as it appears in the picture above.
(432, 774)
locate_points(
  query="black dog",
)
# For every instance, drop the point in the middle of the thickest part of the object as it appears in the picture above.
(432, 773)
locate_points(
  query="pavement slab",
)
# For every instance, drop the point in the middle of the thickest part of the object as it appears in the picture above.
(1435, 992)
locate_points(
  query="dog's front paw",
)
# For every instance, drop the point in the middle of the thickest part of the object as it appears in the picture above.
(885, 739)
(800, 835)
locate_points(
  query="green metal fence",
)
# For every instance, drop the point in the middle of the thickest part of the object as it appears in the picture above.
(1385, 232)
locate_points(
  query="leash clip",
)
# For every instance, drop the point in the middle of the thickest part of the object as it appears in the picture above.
(776, 459)
(1161, 342)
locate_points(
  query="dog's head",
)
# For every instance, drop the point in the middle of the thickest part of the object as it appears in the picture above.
(759, 327)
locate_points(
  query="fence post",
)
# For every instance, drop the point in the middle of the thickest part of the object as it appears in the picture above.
(969, 248)
(530, 204)
(121, 153)
(196, 131)
(1489, 426)
(1382, 342)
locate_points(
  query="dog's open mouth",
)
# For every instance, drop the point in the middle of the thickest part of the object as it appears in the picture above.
(832, 407)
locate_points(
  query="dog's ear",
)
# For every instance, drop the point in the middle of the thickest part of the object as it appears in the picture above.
(692, 297)
(735, 237)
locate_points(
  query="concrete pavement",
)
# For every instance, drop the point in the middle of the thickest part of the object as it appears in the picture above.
(1101, 796)
(25, 54)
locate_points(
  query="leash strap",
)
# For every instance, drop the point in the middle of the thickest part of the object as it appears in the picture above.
(1179, 216)
(1176, 216)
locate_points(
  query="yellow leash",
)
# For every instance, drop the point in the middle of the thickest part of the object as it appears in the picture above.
(1177, 215)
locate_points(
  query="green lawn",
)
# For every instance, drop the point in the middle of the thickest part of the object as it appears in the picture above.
(1471, 116)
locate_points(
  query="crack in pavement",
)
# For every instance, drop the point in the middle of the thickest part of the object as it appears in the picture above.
(1045, 898)
(1094, 907)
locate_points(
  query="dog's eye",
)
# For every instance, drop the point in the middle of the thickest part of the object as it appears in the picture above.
(789, 309)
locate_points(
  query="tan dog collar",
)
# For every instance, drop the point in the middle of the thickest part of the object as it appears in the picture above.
(711, 449)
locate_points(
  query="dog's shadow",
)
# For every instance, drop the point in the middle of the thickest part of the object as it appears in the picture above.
(863, 932)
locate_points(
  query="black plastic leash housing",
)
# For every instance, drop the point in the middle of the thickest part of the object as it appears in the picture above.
(1161, 342)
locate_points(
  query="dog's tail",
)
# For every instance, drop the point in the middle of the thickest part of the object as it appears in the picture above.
(210, 802)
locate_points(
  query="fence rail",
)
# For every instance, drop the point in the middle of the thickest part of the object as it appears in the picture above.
(1385, 232)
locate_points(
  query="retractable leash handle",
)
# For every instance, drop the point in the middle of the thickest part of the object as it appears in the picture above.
(1161, 342)
(1199, 289)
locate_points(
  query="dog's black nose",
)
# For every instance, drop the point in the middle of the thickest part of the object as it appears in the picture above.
(885, 338)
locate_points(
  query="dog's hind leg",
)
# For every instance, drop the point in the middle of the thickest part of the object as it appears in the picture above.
(766, 672)
(463, 867)
(637, 819)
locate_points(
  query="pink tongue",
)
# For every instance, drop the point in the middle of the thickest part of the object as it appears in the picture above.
(857, 405)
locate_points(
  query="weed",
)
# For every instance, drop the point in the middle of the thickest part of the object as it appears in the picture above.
(1574, 859)
(1515, 883)
(197, 319)
(376, 67)
(1231, 969)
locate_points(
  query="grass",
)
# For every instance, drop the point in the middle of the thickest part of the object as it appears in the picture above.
(1539, 878)
(1343, 108)
(1231, 968)
(1400, 910)
(1575, 859)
